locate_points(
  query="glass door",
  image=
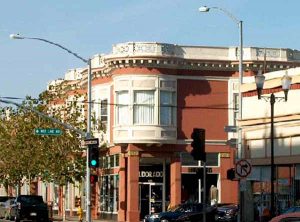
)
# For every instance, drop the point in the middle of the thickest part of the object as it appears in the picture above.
(144, 200)
(156, 198)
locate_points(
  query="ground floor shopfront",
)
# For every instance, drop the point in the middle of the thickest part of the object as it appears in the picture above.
(134, 183)
(147, 182)
(286, 186)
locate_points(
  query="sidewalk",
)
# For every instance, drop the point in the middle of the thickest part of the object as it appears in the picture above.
(75, 219)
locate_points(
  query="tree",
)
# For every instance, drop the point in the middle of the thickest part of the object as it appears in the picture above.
(26, 157)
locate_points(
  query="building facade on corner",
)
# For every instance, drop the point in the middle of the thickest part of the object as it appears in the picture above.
(148, 97)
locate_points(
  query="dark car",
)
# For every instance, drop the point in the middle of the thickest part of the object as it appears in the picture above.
(29, 207)
(227, 212)
(198, 216)
(176, 213)
(291, 210)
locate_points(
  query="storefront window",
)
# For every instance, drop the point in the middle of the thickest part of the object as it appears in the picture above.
(188, 160)
(212, 159)
(109, 193)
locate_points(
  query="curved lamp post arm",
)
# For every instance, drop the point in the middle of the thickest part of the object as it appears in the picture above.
(17, 36)
(228, 14)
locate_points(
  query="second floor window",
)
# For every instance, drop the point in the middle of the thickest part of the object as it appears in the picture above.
(143, 109)
(103, 110)
(167, 109)
(122, 107)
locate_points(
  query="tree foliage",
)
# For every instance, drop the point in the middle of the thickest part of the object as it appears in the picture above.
(25, 156)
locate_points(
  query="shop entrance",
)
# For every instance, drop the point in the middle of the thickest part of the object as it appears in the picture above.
(151, 198)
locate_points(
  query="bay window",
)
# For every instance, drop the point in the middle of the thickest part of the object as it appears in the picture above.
(145, 101)
(143, 109)
(167, 109)
(122, 106)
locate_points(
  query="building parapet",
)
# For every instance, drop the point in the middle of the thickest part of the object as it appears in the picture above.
(153, 49)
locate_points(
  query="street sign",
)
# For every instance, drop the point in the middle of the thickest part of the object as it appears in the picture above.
(48, 131)
(230, 129)
(94, 141)
(243, 168)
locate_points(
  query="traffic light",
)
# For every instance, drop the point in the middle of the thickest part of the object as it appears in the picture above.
(231, 174)
(93, 178)
(198, 144)
(93, 156)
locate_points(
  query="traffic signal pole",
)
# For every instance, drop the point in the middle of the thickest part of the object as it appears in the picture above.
(204, 190)
(198, 153)
(88, 136)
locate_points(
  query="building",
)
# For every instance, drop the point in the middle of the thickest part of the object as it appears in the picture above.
(256, 128)
(155, 95)
(148, 97)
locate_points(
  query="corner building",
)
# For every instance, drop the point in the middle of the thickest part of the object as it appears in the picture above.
(149, 97)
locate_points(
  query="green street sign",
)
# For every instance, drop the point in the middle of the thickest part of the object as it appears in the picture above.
(49, 131)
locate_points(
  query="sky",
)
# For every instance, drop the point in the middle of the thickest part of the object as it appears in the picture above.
(89, 27)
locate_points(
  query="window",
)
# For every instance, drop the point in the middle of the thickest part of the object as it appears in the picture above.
(103, 110)
(143, 110)
(122, 108)
(212, 160)
(145, 101)
(109, 192)
(167, 110)
(188, 160)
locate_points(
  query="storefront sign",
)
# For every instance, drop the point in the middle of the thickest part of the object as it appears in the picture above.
(151, 174)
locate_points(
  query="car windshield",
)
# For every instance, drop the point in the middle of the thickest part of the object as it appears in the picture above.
(174, 208)
(186, 208)
(30, 199)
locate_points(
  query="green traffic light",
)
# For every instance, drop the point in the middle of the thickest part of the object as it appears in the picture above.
(93, 162)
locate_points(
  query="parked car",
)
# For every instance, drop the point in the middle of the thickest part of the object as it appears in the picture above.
(198, 216)
(6, 207)
(227, 212)
(178, 213)
(29, 207)
(288, 217)
(291, 209)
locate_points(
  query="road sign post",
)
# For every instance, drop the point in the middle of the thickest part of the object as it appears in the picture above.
(48, 131)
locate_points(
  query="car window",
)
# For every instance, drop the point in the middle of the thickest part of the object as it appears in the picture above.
(30, 199)
(290, 219)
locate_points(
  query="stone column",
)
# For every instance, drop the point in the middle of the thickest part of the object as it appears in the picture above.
(122, 189)
(175, 181)
(133, 213)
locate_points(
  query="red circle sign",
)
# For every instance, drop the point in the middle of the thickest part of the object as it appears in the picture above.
(243, 168)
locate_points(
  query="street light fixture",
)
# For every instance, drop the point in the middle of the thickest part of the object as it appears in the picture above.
(286, 83)
(88, 132)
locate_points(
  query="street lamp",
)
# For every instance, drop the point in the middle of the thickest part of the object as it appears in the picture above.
(240, 25)
(88, 132)
(286, 83)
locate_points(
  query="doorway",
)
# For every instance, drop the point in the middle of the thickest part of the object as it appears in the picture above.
(151, 198)
(192, 183)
